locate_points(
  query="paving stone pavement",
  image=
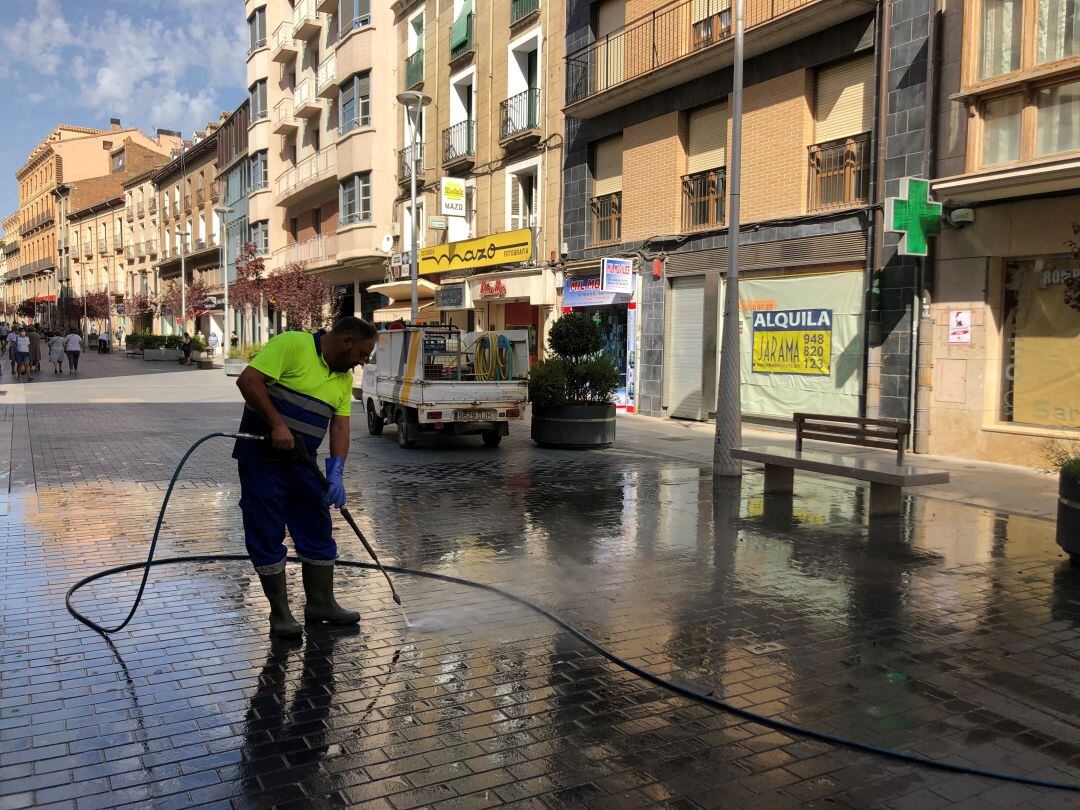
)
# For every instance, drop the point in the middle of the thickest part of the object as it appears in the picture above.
(952, 633)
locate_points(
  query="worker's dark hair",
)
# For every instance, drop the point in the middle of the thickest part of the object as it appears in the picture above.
(354, 327)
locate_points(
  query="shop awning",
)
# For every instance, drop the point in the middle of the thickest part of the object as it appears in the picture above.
(402, 290)
(403, 312)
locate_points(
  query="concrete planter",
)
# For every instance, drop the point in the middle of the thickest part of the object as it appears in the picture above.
(153, 354)
(171, 354)
(578, 427)
(234, 367)
(1068, 517)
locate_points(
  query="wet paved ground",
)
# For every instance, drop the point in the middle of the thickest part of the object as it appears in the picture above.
(953, 634)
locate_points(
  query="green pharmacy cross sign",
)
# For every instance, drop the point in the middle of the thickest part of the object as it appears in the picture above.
(913, 215)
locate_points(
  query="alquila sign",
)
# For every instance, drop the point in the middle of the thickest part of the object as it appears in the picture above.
(486, 251)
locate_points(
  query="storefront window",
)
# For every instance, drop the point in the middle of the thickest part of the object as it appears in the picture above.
(1041, 351)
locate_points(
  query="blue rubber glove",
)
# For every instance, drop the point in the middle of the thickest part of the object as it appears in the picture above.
(335, 493)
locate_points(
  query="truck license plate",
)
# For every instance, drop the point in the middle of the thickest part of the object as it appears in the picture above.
(475, 416)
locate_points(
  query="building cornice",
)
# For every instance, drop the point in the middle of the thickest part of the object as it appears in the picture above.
(96, 208)
(207, 146)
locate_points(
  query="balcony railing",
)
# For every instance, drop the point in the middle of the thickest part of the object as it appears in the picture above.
(839, 173)
(140, 250)
(606, 218)
(36, 267)
(703, 199)
(129, 214)
(151, 247)
(140, 209)
(36, 222)
(406, 163)
(305, 102)
(176, 208)
(311, 251)
(414, 69)
(305, 19)
(257, 45)
(459, 142)
(88, 249)
(519, 114)
(462, 33)
(187, 203)
(661, 38)
(102, 245)
(321, 165)
(200, 196)
(520, 9)
(152, 205)
(285, 46)
(326, 80)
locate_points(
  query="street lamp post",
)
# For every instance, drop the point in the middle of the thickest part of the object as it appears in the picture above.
(183, 279)
(222, 211)
(411, 99)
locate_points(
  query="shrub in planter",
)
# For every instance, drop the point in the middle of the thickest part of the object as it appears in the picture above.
(571, 392)
(237, 358)
(1065, 458)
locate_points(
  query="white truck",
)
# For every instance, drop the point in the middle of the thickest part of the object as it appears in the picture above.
(438, 378)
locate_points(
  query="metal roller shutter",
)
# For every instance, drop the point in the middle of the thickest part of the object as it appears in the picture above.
(607, 167)
(685, 347)
(844, 99)
(707, 147)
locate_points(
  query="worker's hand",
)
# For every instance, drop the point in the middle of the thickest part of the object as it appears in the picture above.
(335, 492)
(281, 438)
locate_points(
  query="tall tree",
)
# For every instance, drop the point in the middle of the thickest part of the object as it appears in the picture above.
(198, 298)
(307, 299)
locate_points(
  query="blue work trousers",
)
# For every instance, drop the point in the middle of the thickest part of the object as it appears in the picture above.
(279, 495)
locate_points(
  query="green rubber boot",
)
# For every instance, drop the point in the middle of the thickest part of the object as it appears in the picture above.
(282, 623)
(321, 604)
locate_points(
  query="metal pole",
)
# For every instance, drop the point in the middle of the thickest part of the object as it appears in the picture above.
(183, 280)
(729, 395)
(225, 269)
(413, 254)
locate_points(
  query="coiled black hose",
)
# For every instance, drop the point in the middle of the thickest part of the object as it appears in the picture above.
(656, 680)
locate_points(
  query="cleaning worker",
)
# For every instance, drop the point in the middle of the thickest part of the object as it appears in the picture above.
(298, 387)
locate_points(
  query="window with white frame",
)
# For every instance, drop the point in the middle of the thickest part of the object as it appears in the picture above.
(355, 102)
(355, 202)
(259, 236)
(257, 99)
(257, 29)
(407, 225)
(259, 177)
(353, 14)
(522, 198)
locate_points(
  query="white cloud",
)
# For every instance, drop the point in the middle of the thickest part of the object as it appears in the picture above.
(176, 66)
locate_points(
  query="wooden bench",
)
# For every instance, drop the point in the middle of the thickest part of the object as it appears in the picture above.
(886, 478)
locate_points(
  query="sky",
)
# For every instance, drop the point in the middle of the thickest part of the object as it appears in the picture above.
(173, 64)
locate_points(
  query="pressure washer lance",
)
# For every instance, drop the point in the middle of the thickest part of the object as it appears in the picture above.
(304, 457)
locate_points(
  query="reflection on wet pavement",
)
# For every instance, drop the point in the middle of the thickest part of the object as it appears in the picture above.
(950, 632)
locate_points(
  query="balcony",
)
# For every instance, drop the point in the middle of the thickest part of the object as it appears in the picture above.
(311, 252)
(131, 251)
(519, 119)
(88, 249)
(40, 266)
(140, 250)
(459, 144)
(406, 164)
(285, 48)
(129, 214)
(306, 22)
(839, 174)
(151, 247)
(285, 122)
(36, 222)
(152, 205)
(118, 245)
(308, 176)
(200, 197)
(462, 40)
(305, 103)
(176, 207)
(684, 41)
(414, 69)
(606, 219)
(103, 246)
(140, 210)
(326, 85)
(704, 197)
(187, 203)
(521, 10)
(326, 6)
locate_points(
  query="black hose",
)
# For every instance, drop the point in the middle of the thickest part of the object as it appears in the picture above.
(675, 688)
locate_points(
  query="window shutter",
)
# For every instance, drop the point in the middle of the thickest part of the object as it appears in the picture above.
(607, 169)
(703, 9)
(516, 219)
(363, 85)
(707, 147)
(844, 99)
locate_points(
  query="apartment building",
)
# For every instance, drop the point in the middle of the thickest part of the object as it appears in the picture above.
(493, 71)
(97, 245)
(142, 244)
(68, 154)
(9, 260)
(321, 94)
(1003, 298)
(189, 229)
(240, 175)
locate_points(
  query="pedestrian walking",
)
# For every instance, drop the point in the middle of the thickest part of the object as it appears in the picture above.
(36, 341)
(12, 336)
(185, 347)
(213, 344)
(56, 352)
(103, 342)
(73, 345)
(22, 356)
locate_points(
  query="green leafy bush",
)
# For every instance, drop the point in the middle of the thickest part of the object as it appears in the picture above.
(1064, 456)
(547, 383)
(576, 375)
(198, 344)
(172, 342)
(153, 341)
